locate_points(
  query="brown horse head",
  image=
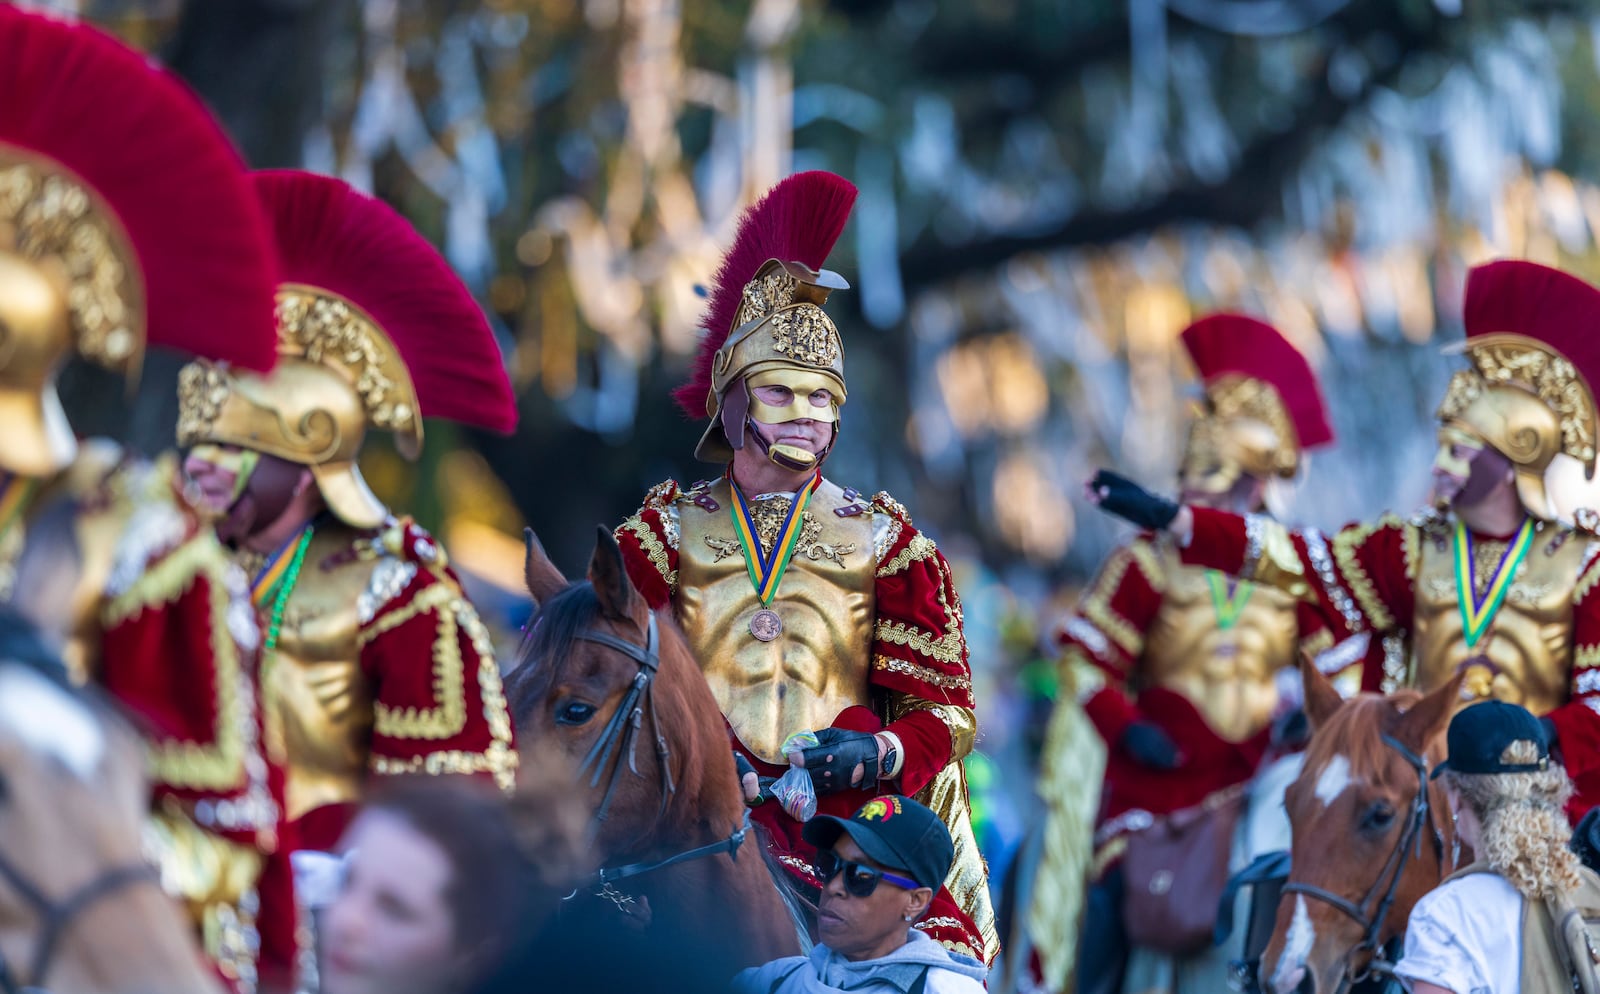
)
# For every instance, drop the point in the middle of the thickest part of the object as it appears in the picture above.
(677, 772)
(1349, 811)
(672, 787)
(73, 804)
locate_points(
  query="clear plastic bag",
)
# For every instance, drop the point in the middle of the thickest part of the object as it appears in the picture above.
(794, 791)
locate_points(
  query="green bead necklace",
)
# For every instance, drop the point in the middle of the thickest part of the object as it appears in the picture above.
(280, 600)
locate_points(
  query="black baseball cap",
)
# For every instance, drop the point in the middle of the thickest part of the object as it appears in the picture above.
(1480, 733)
(895, 831)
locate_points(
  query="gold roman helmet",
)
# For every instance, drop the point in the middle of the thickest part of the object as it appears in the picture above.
(765, 325)
(111, 231)
(1530, 342)
(69, 279)
(782, 338)
(1262, 407)
(374, 331)
(337, 373)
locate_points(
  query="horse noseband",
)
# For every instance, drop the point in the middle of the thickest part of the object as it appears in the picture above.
(56, 916)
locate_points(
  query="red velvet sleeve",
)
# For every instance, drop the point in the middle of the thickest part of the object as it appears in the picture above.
(1359, 579)
(1107, 630)
(650, 546)
(1578, 721)
(438, 703)
(919, 651)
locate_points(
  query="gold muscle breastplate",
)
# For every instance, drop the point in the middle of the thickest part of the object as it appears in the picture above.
(1226, 673)
(1529, 642)
(818, 664)
(317, 698)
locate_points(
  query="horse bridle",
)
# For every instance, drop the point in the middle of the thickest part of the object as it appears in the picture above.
(620, 736)
(56, 916)
(1394, 869)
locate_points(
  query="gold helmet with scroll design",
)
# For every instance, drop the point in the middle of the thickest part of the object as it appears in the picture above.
(765, 325)
(122, 221)
(1534, 354)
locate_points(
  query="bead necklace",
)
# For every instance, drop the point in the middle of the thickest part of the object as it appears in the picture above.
(280, 600)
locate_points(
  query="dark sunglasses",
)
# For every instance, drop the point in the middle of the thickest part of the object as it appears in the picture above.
(860, 880)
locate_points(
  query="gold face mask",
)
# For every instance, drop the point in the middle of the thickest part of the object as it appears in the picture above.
(803, 387)
(1445, 459)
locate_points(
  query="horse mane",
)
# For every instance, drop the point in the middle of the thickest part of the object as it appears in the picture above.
(548, 643)
(1355, 731)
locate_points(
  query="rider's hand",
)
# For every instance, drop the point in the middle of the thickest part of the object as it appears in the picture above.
(1127, 500)
(1150, 746)
(843, 760)
(749, 781)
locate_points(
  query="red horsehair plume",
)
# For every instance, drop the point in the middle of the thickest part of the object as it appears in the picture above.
(153, 155)
(335, 238)
(1224, 344)
(799, 220)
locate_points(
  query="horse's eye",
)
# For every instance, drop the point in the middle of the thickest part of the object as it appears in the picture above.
(1379, 818)
(574, 713)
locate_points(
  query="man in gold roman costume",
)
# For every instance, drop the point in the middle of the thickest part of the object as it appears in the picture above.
(1175, 670)
(1485, 579)
(811, 607)
(129, 221)
(374, 662)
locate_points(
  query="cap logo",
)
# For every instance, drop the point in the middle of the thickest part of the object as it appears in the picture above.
(879, 809)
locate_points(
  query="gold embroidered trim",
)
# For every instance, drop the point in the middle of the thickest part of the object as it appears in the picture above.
(1345, 546)
(450, 716)
(947, 648)
(1586, 657)
(660, 496)
(1155, 572)
(1586, 583)
(883, 502)
(192, 765)
(653, 547)
(166, 581)
(495, 710)
(927, 674)
(919, 548)
(1318, 643)
(499, 759)
(1096, 605)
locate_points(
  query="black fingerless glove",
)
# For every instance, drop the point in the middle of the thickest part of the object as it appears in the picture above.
(1131, 502)
(1150, 746)
(847, 751)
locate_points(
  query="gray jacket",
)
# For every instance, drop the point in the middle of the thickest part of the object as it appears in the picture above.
(921, 962)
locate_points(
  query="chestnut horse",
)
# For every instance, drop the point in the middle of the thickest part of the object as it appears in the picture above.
(79, 909)
(613, 689)
(1372, 834)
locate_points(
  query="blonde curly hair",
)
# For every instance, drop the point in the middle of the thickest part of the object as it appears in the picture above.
(1524, 831)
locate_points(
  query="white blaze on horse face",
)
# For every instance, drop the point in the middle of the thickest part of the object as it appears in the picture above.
(1335, 777)
(1296, 948)
(50, 720)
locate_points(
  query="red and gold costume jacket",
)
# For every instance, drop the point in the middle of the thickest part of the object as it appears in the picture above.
(1540, 649)
(162, 620)
(375, 663)
(871, 640)
(1192, 651)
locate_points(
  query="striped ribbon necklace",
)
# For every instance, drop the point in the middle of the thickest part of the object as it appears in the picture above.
(1228, 597)
(1477, 613)
(767, 569)
(14, 494)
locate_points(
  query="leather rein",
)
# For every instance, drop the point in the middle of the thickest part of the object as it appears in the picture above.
(619, 738)
(56, 916)
(1374, 907)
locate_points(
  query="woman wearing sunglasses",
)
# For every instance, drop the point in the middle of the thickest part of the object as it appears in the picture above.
(879, 870)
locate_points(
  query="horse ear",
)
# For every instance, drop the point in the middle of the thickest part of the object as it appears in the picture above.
(1322, 698)
(609, 575)
(538, 572)
(1429, 716)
